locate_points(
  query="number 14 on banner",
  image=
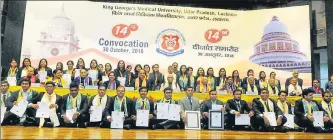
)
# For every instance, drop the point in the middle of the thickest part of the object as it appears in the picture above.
(214, 35)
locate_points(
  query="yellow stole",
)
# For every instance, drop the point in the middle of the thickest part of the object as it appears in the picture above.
(74, 101)
(137, 83)
(270, 105)
(200, 80)
(147, 76)
(20, 96)
(210, 82)
(70, 71)
(270, 90)
(264, 83)
(12, 72)
(328, 110)
(283, 106)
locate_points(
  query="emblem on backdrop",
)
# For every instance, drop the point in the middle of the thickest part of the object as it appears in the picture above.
(170, 42)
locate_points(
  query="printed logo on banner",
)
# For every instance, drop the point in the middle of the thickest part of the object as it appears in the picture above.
(214, 35)
(123, 31)
(170, 42)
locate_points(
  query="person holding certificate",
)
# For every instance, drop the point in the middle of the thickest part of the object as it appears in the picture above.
(265, 105)
(237, 107)
(143, 103)
(119, 103)
(74, 110)
(28, 118)
(4, 96)
(212, 104)
(164, 123)
(55, 101)
(282, 103)
(98, 100)
(304, 109)
(155, 78)
(188, 103)
(327, 105)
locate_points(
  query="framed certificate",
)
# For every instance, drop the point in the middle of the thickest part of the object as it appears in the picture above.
(216, 119)
(193, 120)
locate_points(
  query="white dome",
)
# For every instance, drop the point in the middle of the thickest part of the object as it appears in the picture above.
(61, 25)
(275, 26)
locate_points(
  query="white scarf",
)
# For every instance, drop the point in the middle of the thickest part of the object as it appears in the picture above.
(50, 99)
(96, 101)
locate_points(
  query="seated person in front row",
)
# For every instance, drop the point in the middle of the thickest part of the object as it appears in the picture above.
(141, 81)
(99, 99)
(165, 124)
(119, 103)
(113, 83)
(83, 80)
(236, 106)
(327, 106)
(5, 94)
(303, 112)
(207, 105)
(251, 86)
(188, 103)
(265, 104)
(143, 103)
(55, 101)
(78, 103)
(28, 118)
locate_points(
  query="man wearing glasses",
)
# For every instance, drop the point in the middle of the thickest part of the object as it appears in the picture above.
(165, 124)
(262, 105)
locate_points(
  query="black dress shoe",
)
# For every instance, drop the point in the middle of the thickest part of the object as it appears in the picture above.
(82, 125)
(49, 124)
(153, 127)
(284, 129)
(127, 127)
(178, 126)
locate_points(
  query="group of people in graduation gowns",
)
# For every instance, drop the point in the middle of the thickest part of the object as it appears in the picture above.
(81, 107)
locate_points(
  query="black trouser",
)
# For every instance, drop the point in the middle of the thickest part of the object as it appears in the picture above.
(259, 122)
(165, 124)
(10, 119)
(107, 124)
(231, 123)
(81, 119)
(150, 123)
(308, 124)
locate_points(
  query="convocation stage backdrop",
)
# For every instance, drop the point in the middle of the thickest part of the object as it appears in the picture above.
(264, 40)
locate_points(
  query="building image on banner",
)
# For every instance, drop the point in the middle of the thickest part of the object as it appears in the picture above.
(279, 51)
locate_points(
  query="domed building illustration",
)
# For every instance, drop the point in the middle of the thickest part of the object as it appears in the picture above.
(279, 51)
(60, 37)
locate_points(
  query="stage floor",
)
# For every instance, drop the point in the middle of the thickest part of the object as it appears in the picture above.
(19, 132)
